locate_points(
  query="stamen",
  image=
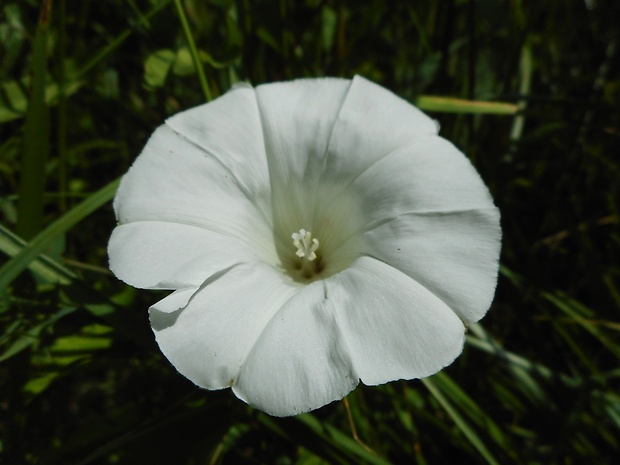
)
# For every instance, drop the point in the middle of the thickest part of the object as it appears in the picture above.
(306, 246)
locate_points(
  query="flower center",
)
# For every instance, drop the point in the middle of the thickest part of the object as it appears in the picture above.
(306, 245)
(332, 237)
(309, 266)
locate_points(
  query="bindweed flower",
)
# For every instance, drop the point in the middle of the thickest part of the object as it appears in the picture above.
(315, 233)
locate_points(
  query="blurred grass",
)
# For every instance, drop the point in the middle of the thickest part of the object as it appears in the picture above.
(529, 90)
(35, 141)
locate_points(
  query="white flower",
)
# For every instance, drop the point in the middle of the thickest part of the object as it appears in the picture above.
(316, 233)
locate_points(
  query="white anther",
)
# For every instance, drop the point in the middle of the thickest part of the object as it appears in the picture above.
(306, 246)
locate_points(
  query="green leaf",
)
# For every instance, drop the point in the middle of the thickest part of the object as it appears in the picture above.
(183, 64)
(157, 66)
(90, 337)
(14, 99)
(32, 335)
(40, 383)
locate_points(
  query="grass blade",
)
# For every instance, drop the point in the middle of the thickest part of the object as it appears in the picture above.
(193, 50)
(467, 405)
(460, 422)
(112, 46)
(37, 246)
(574, 310)
(44, 267)
(36, 137)
(457, 105)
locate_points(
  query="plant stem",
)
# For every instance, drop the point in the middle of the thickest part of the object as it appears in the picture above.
(193, 50)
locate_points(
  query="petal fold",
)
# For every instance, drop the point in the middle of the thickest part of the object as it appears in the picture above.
(175, 181)
(208, 340)
(297, 120)
(229, 129)
(175, 301)
(372, 123)
(427, 175)
(453, 255)
(300, 362)
(392, 326)
(163, 255)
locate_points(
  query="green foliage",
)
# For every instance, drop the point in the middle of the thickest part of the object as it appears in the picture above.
(530, 90)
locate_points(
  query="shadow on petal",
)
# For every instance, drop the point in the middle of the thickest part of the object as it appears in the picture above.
(162, 320)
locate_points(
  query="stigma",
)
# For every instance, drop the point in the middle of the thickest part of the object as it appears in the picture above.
(306, 245)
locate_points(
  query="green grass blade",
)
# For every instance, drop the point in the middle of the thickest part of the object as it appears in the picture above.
(298, 433)
(526, 69)
(344, 441)
(470, 408)
(460, 422)
(44, 267)
(484, 342)
(322, 439)
(193, 50)
(61, 112)
(457, 105)
(575, 312)
(37, 246)
(35, 145)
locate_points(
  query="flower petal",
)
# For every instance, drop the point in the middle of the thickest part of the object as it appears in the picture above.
(427, 175)
(454, 255)
(160, 255)
(229, 129)
(300, 362)
(175, 181)
(175, 301)
(208, 340)
(372, 123)
(393, 327)
(297, 119)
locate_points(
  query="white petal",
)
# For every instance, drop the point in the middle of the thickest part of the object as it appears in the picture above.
(159, 255)
(393, 327)
(208, 340)
(229, 130)
(175, 301)
(297, 119)
(454, 255)
(372, 123)
(300, 362)
(428, 175)
(175, 181)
